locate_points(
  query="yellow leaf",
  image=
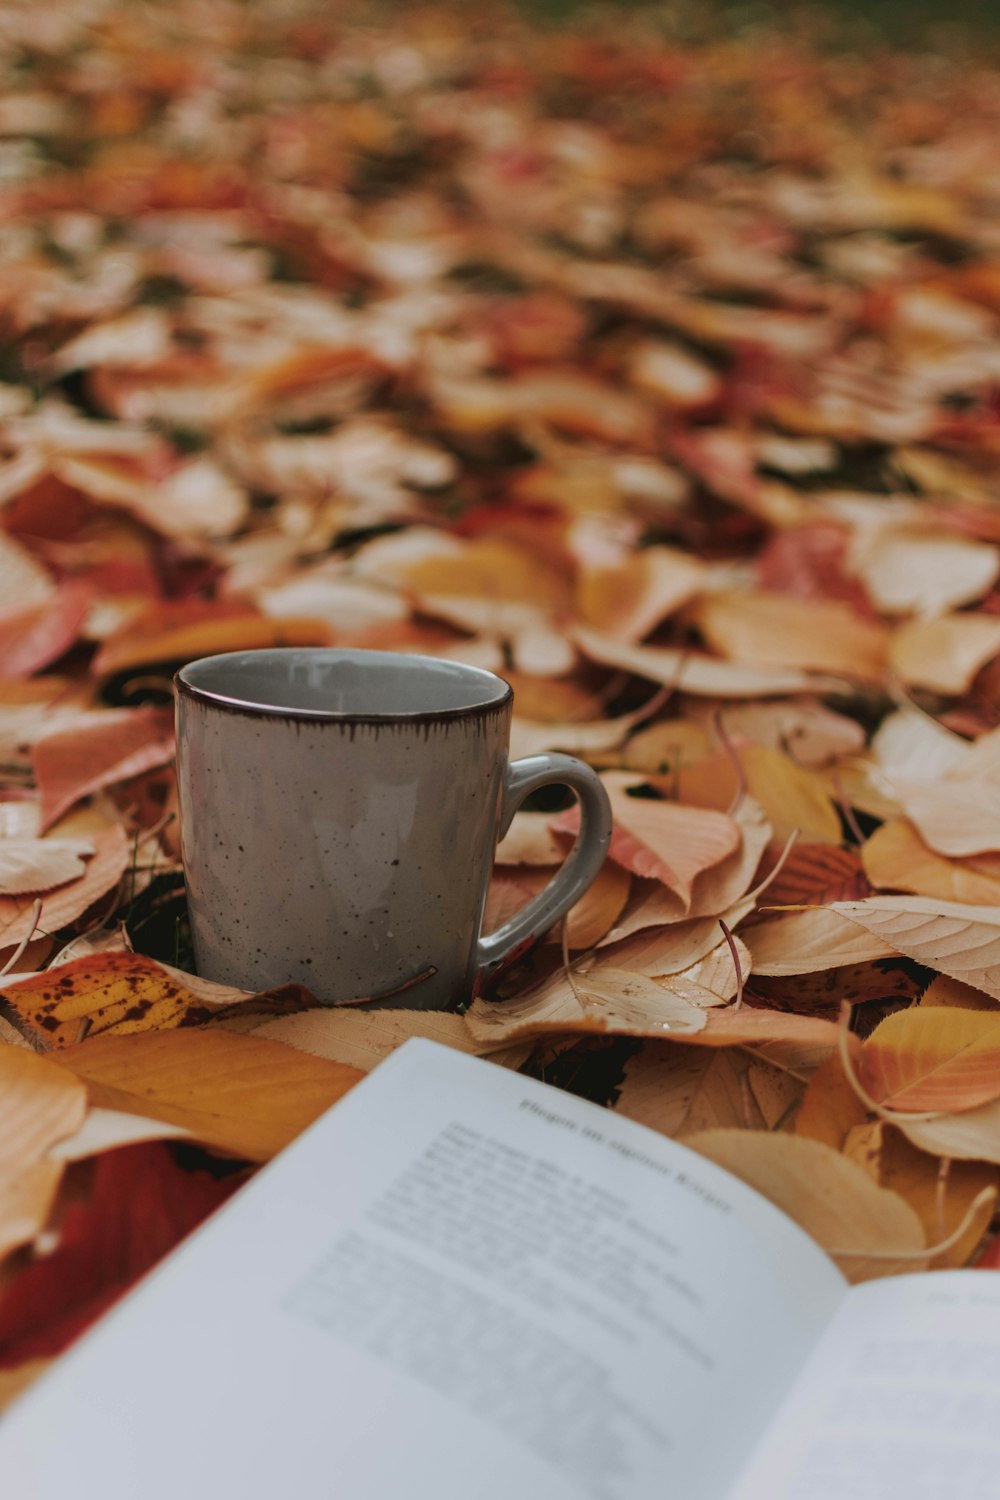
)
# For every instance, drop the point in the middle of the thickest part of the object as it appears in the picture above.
(124, 992)
(935, 1058)
(778, 630)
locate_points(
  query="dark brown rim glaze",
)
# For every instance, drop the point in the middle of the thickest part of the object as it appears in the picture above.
(229, 704)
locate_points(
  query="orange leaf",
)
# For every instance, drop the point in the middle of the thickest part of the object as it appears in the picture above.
(40, 1103)
(777, 630)
(661, 840)
(941, 1059)
(238, 1094)
(72, 763)
(148, 642)
(64, 905)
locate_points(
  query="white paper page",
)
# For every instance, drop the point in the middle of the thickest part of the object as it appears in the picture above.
(901, 1400)
(460, 1284)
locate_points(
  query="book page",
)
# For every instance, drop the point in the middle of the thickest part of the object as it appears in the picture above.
(459, 1283)
(901, 1398)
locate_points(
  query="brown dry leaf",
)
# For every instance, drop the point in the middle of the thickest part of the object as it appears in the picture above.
(679, 1090)
(693, 672)
(831, 1198)
(806, 941)
(120, 993)
(629, 599)
(973, 1135)
(793, 798)
(936, 1058)
(777, 630)
(952, 992)
(529, 841)
(810, 734)
(112, 852)
(897, 859)
(715, 892)
(40, 1103)
(670, 949)
(830, 1107)
(963, 941)
(364, 1038)
(114, 746)
(944, 654)
(604, 999)
(665, 747)
(40, 864)
(661, 840)
(599, 908)
(236, 1094)
(955, 815)
(925, 572)
(811, 874)
(134, 647)
(941, 1193)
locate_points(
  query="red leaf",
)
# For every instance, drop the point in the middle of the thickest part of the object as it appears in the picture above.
(72, 763)
(812, 875)
(33, 638)
(142, 1205)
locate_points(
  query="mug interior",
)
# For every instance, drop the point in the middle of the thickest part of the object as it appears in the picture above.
(320, 682)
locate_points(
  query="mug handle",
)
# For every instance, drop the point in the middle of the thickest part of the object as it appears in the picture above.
(521, 778)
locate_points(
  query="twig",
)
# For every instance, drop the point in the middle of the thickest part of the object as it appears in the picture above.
(736, 963)
(36, 912)
(987, 1195)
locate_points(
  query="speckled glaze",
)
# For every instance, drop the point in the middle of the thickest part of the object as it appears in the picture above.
(339, 814)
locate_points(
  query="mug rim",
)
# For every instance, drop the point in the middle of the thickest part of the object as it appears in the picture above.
(501, 698)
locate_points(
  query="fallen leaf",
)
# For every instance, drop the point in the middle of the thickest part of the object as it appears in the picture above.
(941, 1194)
(33, 637)
(897, 859)
(813, 874)
(40, 864)
(944, 654)
(793, 798)
(926, 573)
(40, 1103)
(693, 672)
(73, 763)
(149, 646)
(237, 1094)
(679, 1090)
(803, 942)
(953, 816)
(141, 1204)
(660, 840)
(775, 630)
(963, 941)
(831, 1198)
(70, 901)
(932, 1059)
(122, 993)
(628, 600)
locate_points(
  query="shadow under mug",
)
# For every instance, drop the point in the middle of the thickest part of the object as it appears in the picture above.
(339, 815)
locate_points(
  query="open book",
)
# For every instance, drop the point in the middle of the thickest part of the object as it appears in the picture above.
(461, 1284)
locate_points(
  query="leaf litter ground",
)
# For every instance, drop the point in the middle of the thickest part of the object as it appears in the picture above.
(658, 373)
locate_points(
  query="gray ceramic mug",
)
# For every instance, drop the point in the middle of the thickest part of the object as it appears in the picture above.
(339, 815)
